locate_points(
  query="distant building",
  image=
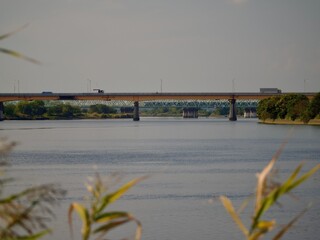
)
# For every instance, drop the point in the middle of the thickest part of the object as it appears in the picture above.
(250, 113)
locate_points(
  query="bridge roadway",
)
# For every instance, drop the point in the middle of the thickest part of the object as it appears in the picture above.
(4, 97)
(137, 97)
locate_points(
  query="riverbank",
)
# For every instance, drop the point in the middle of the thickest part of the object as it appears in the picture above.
(313, 122)
(77, 117)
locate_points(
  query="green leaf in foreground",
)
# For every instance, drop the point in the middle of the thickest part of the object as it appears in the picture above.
(24, 215)
(96, 217)
(110, 198)
(32, 237)
(286, 187)
(18, 55)
(13, 32)
(266, 196)
(230, 209)
(15, 53)
(84, 216)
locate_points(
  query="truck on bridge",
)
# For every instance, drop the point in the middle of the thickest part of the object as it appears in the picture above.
(270, 90)
(98, 90)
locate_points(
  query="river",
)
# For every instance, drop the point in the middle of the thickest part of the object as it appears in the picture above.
(189, 164)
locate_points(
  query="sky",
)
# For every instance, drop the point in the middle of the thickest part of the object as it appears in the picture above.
(149, 45)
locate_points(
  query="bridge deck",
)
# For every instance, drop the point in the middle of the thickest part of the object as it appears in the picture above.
(4, 97)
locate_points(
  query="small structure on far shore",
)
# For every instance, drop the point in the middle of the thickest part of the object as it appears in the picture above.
(250, 113)
(190, 112)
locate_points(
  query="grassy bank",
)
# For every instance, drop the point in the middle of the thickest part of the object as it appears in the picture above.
(313, 122)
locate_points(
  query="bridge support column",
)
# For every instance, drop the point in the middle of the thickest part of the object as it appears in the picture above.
(232, 112)
(1, 111)
(136, 116)
(190, 113)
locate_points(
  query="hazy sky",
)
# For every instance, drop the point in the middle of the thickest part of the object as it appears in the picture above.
(192, 45)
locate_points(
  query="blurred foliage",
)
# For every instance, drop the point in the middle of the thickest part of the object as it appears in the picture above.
(15, 53)
(268, 193)
(95, 219)
(24, 215)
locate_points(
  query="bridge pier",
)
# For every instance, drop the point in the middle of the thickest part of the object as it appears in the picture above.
(1, 111)
(190, 113)
(136, 116)
(232, 112)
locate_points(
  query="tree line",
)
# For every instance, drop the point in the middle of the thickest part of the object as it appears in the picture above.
(39, 110)
(290, 106)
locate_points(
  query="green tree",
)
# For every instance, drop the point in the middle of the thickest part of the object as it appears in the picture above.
(67, 111)
(314, 107)
(297, 106)
(261, 109)
(30, 109)
(223, 111)
(281, 106)
(64, 111)
(204, 113)
(55, 110)
(267, 108)
(38, 108)
(161, 110)
(24, 108)
(101, 108)
(10, 110)
(175, 110)
(70, 111)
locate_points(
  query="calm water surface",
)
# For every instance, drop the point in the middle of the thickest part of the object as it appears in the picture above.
(190, 164)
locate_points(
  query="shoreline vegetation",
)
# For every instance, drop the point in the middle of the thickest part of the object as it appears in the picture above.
(89, 116)
(290, 109)
(111, 116)
(312, 122)
(44, 110)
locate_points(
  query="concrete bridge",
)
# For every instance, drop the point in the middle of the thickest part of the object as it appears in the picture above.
(232, 97)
